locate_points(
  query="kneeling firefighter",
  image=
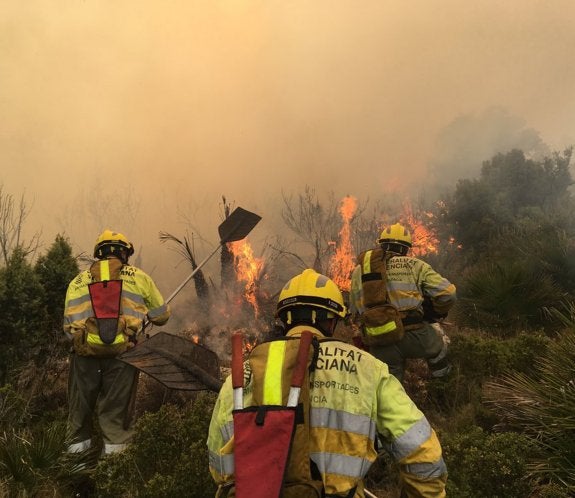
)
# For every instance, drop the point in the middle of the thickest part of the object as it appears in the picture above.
(387, 278)
(104, 313)
(348, 400)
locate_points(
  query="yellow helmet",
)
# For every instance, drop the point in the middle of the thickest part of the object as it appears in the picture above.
(395, 234)
(109, 242)
(308, 290)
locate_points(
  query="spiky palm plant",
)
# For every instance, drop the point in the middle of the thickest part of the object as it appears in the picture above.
(36, 464)
(554, 252)
(508, 295)
(564, 314)
(185, 249)
(542, 405)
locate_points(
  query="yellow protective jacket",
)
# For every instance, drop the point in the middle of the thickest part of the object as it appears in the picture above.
(140, 299)
(410, 281)
(352, 399)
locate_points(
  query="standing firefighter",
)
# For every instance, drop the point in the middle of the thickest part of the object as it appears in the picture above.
(347, 399)
(387, 279)
(104, 313)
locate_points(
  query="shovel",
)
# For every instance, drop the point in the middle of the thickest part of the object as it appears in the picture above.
(263, 434)
(235, 227)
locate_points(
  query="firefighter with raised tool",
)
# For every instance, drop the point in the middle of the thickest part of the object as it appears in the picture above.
(348, 399)
(105, 309)
(386, 278)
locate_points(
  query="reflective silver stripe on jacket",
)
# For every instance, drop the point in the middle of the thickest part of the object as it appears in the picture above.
(78, 300)
(410, 440)
(133, 297)
(343, 421)
(335, 463)
(222, 464)
(158, 311)
(437, 289)
(427, 470)
(404, 295)
(75, 317)
(127, 311)
(227, 431)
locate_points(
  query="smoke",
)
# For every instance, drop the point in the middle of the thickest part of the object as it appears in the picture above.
(139, 116)
(469, 140)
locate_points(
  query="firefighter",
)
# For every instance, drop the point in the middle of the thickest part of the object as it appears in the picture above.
(105, 309)
(423, 298)
(349, 402)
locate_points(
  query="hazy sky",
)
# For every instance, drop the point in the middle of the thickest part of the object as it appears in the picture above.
(181, 101)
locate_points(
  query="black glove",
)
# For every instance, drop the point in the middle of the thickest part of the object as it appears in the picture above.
(429, 313)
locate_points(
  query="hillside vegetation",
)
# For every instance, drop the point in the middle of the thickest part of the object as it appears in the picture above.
(504, 416)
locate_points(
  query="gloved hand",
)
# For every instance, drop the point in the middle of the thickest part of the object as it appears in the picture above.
(429, 313)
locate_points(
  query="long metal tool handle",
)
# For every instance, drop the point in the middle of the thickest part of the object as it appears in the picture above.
(182, 285)
(235, 227)
(191, 275)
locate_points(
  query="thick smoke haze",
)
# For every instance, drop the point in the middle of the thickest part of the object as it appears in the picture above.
(140, 115)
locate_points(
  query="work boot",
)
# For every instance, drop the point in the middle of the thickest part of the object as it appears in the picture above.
(438, 373)
(440, 366)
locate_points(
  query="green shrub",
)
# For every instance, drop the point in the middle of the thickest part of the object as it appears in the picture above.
(484, 465)
(478, 357)
(168, 456)
(23, 311)
(13, 409)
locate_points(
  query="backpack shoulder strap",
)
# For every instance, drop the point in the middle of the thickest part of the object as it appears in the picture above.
(106, 269)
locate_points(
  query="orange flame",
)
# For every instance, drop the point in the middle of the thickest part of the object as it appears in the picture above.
(454, 243)
(342, 262)
(250, 341)
(424, 239)
(248, 269)
(248, 346)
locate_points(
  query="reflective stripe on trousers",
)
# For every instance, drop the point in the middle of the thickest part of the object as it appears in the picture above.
(79, 447)
(113, 448)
